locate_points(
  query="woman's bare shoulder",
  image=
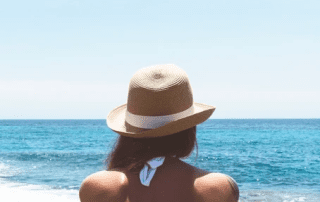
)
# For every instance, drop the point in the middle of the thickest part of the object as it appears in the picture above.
(216, 187)
(104, 186)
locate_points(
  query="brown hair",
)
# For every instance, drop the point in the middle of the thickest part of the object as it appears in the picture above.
(132, 153)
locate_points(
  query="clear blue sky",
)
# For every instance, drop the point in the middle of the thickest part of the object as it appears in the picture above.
(74, 59)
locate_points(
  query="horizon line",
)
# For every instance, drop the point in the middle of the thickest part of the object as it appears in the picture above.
(105, 119)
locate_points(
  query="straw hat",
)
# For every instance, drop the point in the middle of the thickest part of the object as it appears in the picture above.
(160, 103)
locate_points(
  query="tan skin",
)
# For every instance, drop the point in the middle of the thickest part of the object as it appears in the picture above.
(174, 181)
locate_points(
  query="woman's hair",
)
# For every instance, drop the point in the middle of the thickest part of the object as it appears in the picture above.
(132, 153)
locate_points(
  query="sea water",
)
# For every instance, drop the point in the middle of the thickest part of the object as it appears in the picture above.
(271, 159)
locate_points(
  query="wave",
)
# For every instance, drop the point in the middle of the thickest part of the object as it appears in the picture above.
(278, 196)
(14, 192)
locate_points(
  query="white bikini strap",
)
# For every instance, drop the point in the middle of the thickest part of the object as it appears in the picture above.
(149, 169)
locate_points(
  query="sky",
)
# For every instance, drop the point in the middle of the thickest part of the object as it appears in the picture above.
(68, 59)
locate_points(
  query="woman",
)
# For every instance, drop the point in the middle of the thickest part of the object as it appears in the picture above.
(157, 127)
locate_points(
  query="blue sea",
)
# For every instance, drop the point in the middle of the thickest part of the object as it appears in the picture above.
(271, 159)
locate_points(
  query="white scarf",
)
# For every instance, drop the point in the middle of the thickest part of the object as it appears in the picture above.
(149, 169)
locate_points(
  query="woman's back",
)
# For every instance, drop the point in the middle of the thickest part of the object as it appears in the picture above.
(173, 181)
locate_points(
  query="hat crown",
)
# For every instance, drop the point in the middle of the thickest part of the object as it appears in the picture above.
(159, 91)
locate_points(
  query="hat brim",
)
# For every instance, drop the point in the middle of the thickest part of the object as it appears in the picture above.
(116, 122)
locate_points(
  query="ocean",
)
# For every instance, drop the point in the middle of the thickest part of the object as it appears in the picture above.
(271, 159)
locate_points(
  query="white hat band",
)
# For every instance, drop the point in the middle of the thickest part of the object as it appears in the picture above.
(151, 122)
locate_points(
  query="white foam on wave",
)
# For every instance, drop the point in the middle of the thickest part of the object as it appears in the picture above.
(277, 196)
(18, 192)
(6, 171)
(21, 192)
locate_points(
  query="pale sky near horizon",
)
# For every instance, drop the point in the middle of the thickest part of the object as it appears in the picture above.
(68, 59)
